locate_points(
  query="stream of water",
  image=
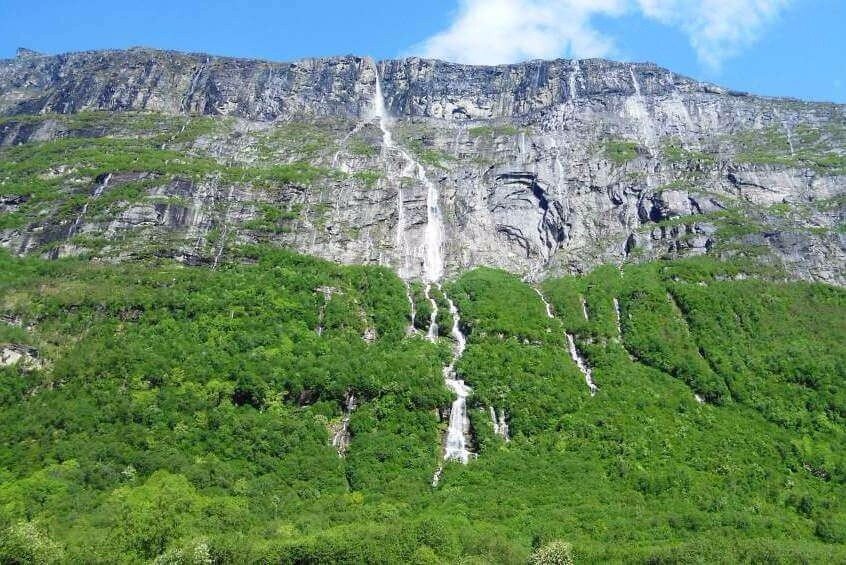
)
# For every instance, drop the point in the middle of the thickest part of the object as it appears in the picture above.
(580, 361)
(455, 444)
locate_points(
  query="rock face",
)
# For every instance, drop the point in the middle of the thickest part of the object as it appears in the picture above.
(542, 167)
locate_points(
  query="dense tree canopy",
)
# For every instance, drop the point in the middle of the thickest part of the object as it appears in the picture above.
(183, 414)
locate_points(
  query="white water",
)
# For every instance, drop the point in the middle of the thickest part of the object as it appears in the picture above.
(545, 302)
(432, 334)
(637, 110)
(459, 423)
(789, 133)
(336, 159)
(455, 447)
(698, 398)
(411, 328)
(584, 308)
(582, 364)
(341, 438)
(574, 94)
(500, 426)
(224, 231)
(619, 320)
(97, 193)
(380, 112)
(574, 353)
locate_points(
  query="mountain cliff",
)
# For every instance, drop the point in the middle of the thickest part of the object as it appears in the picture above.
(541, 167)
(183, 381)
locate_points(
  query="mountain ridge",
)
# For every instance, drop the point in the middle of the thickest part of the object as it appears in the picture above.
(24, 52)
(543, 167)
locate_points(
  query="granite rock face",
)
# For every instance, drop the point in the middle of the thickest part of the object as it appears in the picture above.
(541, 167)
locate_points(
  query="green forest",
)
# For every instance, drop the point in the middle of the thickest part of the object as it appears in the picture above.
(177, 414)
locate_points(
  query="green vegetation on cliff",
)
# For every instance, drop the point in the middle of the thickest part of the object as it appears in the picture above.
(184, 415)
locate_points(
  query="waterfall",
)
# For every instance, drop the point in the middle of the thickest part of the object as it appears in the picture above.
(545, 302)
(500, 426)
(574, 353)
(571, 79)
(336, 158)
(455, 447)
(341, 437)
(225, 229)
(584, 308)
(379, 111)
(619, 319)
(459, 423)
(97, 192)
(582, 364)
(432, 334)
(411, 328)
(636, 108)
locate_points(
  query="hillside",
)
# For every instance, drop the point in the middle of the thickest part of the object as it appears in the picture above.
(346, 311)
(183, 412)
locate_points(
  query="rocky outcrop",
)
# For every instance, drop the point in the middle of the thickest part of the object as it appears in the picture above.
(21, 355)
(542, 167)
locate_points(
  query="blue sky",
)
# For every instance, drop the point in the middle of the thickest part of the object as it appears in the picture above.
(774, 47)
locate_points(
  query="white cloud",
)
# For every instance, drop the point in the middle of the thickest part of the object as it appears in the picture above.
(506, 31)
(718, 29)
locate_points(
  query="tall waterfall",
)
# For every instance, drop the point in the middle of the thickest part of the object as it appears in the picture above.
(379, 111)
(98, 191)
(459, 423)
(455, 447)
(635, 107)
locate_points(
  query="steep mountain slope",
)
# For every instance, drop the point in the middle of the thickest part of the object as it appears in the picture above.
(313, 312)
(542, 167)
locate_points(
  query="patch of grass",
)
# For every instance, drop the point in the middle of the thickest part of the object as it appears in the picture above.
(368, 177)
(361, 148)
(494, 130)
(429, 155)
(273, 219)
(674, 152)
(620, 151)
(813, 148)
(302, 140)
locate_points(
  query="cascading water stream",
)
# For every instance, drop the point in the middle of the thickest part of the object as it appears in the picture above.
(582, 364)
(97, 193)
(341, 438)
(432, 333)
(571, 343)
(500, 425)
(618, 318)
(380, 112)
(571, 80)
(459, 423)
(455, 447)
(411, 329)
